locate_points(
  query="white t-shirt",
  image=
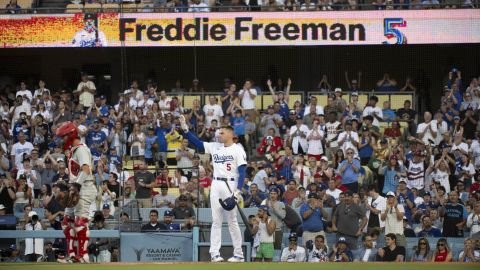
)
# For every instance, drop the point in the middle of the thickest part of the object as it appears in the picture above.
(423, 127)
(315, 146)
(23, 93)
(164, 104)
(369, 110)
(462, 146)
(18, 150)
(212, 112)
(380, 204)
(442, 129)
(226, 160)
(297, 255)
(248, 102)
(332, 132)
(392, 224)
(335, 194)
(347, 141)
(318, 109)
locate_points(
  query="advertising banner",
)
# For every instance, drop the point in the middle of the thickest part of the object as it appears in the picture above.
(156, 247)
(241, 28)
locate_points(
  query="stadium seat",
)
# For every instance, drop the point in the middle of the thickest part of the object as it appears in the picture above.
(24, 4)
(129, 8)
(93, 7)
(110, 7)
(188, 101)
(381, 99)
(265, 101)
(363, 99)
(322, 100)
(74, 8)
(396, 101)
(293, 98)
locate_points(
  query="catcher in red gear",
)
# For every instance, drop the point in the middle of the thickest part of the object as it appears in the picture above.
(81, 194)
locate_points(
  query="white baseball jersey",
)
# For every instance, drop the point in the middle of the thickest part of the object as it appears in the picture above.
(84, 38)
(297, 255)
(226, 160)
(80, 156)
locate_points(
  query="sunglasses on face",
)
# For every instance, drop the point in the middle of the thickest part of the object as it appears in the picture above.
(423, 243)
(350, 153)
(441, 245)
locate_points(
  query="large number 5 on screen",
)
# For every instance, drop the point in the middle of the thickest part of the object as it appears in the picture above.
(229, 167)
(390, 30)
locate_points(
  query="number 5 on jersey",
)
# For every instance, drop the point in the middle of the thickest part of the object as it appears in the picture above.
(229, 167)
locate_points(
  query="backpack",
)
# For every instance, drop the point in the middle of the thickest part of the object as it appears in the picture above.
(292, 220)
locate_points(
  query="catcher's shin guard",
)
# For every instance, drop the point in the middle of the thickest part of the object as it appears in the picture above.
(83, 234)
(70, 235)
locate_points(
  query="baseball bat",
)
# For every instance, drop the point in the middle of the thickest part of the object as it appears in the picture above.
(244, 218)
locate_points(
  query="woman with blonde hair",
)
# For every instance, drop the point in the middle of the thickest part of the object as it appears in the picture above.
(443, 253)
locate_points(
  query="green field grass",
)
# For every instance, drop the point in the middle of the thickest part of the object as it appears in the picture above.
(242, 266)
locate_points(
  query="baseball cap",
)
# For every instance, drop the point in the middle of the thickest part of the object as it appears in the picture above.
(405, 218)
(402, 180)
(269, 138)
(349, 193)
(103, 97)
(3, 174)
(183, 198)
(13, 247)
(365, 128)
(32, 213)
(106, 206)
(338, 90)
(390, 194)
(324, 158)
(168, 213)
(89, 16)
(264, 208)
(427, 194)
(292, 235)
(274, 189)
(299, 117)
(317, 175)
(354, 81)
(270, 107)
(312, 195)
(456, 117)
(342, 240)
(293, 112)
(61, 186)
(354, 94)
(2, 206)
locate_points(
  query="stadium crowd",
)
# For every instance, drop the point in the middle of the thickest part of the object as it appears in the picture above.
(364, 173)
(13, 7)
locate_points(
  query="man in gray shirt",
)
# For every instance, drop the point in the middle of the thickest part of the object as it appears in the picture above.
(277, 213)
(346, 220)
(164, 200)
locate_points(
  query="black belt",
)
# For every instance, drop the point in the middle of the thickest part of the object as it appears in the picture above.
(223, 179)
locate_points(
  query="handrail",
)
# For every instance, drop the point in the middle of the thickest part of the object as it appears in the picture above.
(54, 234)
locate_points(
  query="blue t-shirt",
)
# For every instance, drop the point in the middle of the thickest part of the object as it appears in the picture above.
(388, 115)
(433, 232)
(162, 142)
(366, 151)
(239, 125)
(403, 201)
(173, 227)
(284, 110)
(391, 180)
(96, 137)
(314, 222)
(104, 110)
(349, 176)
(19, 128)
(149, 142)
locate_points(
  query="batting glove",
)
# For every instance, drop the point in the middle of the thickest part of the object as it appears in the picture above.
(183, 123)
(238, 194)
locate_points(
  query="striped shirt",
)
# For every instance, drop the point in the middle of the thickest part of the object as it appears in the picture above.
(416, 174)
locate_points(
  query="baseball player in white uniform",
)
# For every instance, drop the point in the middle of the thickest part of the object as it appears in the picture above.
(229, 168)
(90, 35)
(82, 193)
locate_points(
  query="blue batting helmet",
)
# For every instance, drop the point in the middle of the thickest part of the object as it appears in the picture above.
(228, 204)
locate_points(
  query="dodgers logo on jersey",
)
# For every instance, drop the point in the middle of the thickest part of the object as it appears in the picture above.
(222, 158)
